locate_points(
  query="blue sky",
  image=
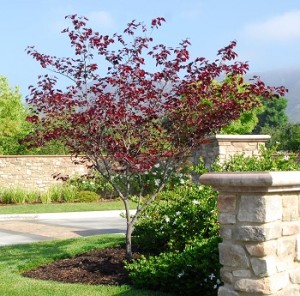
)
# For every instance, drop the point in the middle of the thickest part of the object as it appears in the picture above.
(267, 31)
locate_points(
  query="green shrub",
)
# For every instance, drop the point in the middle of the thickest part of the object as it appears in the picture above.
(178, 235)
(86, 196)
(269, 159)
(145, 184)
(194, 271)
(93, 183)
(176, 218)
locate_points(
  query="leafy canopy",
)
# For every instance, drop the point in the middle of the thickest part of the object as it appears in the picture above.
(273, 115)
(132, 115)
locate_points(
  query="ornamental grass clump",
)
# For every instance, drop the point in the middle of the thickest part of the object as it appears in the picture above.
(18, 196)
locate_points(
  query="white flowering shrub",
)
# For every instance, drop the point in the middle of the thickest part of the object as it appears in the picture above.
(193, 271)
(179, 236)
(176, 218)
(140, 184)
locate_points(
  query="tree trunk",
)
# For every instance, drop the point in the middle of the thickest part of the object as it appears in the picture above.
(128, 240)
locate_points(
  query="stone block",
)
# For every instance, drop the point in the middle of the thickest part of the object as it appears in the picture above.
(290, 228)
(297, 257)
(286, 246)
(295, 275)
(227, 203)
(264, 286)
(285, 263)
(242, 273)
(262, 249)
(226, 218)
(226, 291)
(290, 205)
(223, 150)
(233, 255)
(289, 200)
(257, 233)
(292, 290)
(243, 145)
(290, 214)
(226, 275)
(258, 208)
(263, 267)
(225, 233)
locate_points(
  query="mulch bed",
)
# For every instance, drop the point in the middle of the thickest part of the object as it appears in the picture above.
(103, 266)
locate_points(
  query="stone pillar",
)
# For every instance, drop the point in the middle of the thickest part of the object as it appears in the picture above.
(260, 230)
(224, 146)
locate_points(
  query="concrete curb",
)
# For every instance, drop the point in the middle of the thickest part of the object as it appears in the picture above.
(66, 215)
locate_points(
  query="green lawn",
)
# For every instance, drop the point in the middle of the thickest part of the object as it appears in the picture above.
(63, 207)
(16, 259)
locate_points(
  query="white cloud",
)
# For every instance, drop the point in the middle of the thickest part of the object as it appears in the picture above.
(102, 19)
(285, 27)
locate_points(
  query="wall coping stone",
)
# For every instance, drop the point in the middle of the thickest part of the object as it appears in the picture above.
(240, 138)
(253, 181)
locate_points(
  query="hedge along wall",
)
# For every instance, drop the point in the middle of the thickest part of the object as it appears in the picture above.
(259, 215)
(36, 172)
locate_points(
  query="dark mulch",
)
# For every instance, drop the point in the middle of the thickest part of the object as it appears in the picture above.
(103, 266)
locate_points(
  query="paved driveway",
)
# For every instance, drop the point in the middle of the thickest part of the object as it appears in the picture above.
(27, 228)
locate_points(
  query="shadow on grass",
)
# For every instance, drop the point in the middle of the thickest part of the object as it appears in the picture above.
(26, 256)
(20, 258)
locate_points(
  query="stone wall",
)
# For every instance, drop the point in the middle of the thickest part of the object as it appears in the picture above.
(35, 172)
(259, 215)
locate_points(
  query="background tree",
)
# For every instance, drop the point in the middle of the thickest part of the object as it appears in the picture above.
(273, 115)
(268, 117)
(136, 125)
(290, 138)
(13, 125)
(247, 121)
(285, 138)
(243, 125)
(274, 122)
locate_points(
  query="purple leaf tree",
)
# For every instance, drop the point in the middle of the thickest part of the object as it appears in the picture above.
(133, 106)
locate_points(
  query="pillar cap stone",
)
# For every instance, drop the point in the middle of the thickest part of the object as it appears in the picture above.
(253, 181)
